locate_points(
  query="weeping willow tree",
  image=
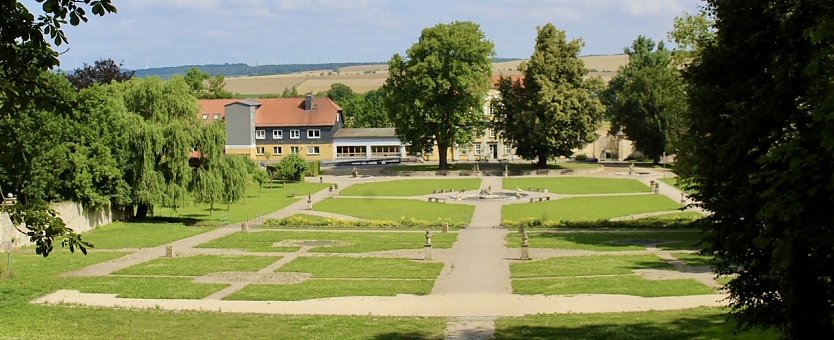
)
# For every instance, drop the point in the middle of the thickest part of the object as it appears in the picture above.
(164, 128)
(218, 177)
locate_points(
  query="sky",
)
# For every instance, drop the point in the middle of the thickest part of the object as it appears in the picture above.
(158, 33)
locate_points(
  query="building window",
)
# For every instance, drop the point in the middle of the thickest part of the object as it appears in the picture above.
(295, 134)
(491, 108)
(277, 134)
(312, 150)
(350, 151)
(259, 150)
(216, 116)
(492, 134)
(477, 149)
(276, 150)
(294, 150)
(314, 133)
(260, 134)
(205, 116)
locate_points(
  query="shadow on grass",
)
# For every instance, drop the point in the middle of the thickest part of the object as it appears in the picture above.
(405, 335)
(706, 326)
(187, 220)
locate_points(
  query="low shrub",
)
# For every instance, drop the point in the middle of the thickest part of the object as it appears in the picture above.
(302, 221)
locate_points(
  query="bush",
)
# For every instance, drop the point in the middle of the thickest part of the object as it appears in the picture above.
(292, 168)
(313, 169)
(581, 158)
(301, 221)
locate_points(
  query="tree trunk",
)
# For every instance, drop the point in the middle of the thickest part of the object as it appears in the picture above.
(211, 208)
(442, 150)
(542, 163)
(142, 210)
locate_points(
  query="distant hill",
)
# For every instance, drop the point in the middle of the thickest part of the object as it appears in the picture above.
(243, 70)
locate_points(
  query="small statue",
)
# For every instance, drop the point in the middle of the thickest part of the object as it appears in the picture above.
(524, 238)
(355, 173)
(631, 168)
(489, 190)
(428, 237)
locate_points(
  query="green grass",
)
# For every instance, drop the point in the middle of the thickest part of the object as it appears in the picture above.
(617, 284)
(693, 259)
(250, 241)
(698, 323)
(587, 208)
(397, 209)
(410, 187)
(35, 276)
(140, 235)
(673, 181)
(323, 288)
(355, 242)
(577, 185)
(377, 268)
(144, 288)
(199, 265)
(586, 265)
(607, 241)
(271, 197)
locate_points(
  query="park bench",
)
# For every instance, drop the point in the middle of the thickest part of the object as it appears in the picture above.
(537, 189)
(539, 199)
(437, 199)
(542, 172)
(566, 172)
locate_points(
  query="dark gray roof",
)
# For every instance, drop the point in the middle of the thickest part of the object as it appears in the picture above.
(366, 133)
(245, 102)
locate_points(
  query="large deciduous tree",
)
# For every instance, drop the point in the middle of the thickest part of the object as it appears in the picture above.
(436, 92)
(104, 71)
(759, 155)
(553, 109)
(367, 110)
(25, 54)
(646, 98)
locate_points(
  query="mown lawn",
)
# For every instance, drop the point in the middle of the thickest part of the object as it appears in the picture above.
(140, 235)
(349, 242)
(599, 275)
(577, 185)
(397, 209)
(270, 198)
(609, 241)
(35, 276)
(199, 265)
(410, 187)
(698, 323)
(587, 208)
(377, 268)
(324, 288)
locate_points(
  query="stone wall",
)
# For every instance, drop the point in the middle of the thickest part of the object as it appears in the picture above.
(75, 216)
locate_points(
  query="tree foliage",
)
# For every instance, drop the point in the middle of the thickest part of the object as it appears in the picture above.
(646, 99)
(292, 168)
(554, 109)
(435, 93)
(367, 110)
(204, 86)
(26, 92)
(340, 93)
(759, 155)
(104, 71)
(690, 34)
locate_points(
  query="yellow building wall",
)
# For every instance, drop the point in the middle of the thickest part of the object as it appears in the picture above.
(326, 152)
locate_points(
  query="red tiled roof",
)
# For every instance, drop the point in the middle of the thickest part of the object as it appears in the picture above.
(514, 78)
(279, 111)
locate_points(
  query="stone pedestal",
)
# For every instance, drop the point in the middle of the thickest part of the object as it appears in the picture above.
(427, 252)
(525, 252)
(169, 251)
(505, 173)
(445, 228)
(244, 227)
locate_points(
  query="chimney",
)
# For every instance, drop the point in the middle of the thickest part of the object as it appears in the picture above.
(308, 102)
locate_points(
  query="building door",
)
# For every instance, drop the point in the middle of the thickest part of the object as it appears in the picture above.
(493, 151)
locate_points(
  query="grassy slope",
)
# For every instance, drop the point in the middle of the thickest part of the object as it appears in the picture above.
(607, 241)
(140, 235)
(356, 242)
